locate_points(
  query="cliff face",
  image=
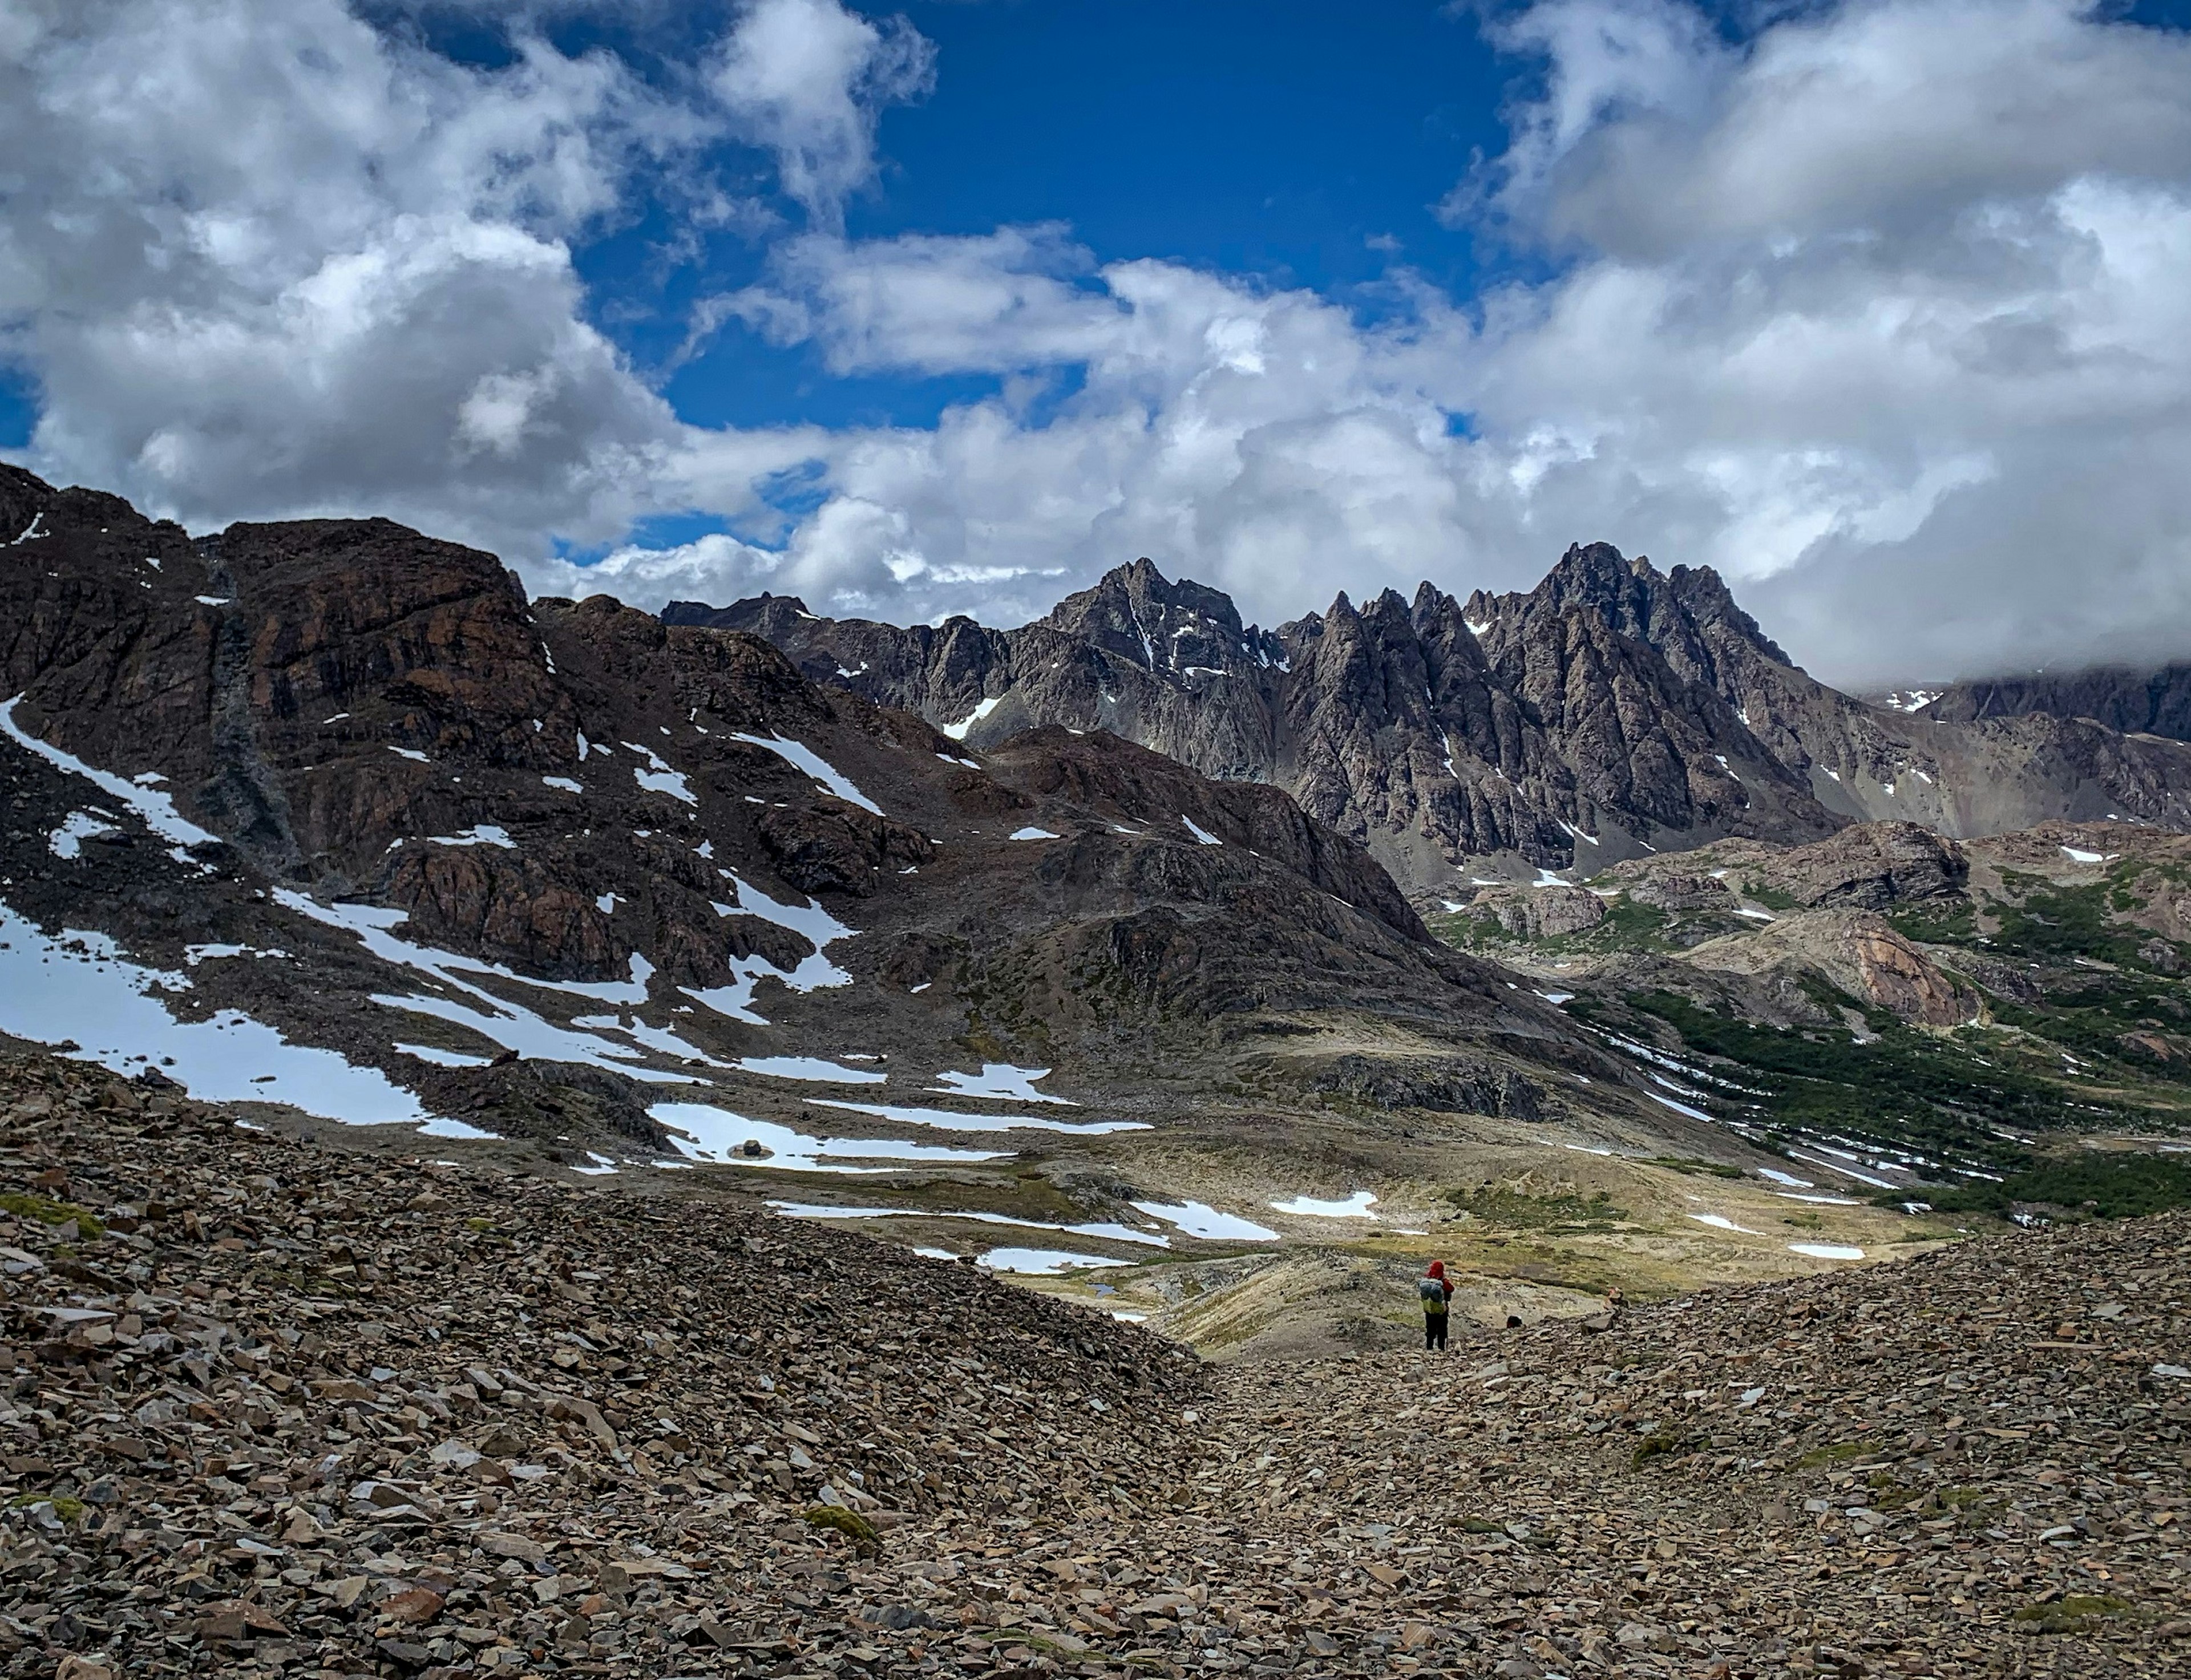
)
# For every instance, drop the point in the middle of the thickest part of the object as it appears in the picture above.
(2129, 701)
(1613, 711)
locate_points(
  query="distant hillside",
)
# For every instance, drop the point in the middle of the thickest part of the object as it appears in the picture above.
(2133, 701)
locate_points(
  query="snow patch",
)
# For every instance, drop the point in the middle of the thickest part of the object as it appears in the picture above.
(1356, 1207)
(810, 1068)
(1846, 1172)
(196, 954)
(981, 709)
(154, 810)
(1202, 835)
(1041, 1262)
(805, 758)
(1680, 1108)
(510, 1025)
(1109, 1231)
(657, 776)
(481, 834)
(945, 1119)
(1720, 1221)
(77, 985)
(701, 1132)
(1198, 1219)
(1000, 1080)
(440, 1058)
(67, 841)
(1031, 832)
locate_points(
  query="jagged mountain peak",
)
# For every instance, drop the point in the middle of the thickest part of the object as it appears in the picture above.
(1136, 613)
(1613, 708)
(1673, 611)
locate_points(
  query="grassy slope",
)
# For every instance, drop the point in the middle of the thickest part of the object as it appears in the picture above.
(2093, 1036)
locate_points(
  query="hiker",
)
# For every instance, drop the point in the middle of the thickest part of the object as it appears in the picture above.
(1437, 1291)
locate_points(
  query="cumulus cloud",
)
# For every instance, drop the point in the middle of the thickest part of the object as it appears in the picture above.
(1878, 310)
(1874, 310)
(808, 79)
(265, 259)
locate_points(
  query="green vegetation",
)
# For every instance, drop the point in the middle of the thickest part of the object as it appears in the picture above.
(1693, 1167)
(1651, 1447)
(2093, 1184)
(2072, 1612)
(1889, 1494)
(866, 1541)
(1841, 1452)
(1628, 926)
(1936, 921)
(67, 1507)
(2092, 1020)
(2057, 924)
(47, 1211)
(1561, 1213)
(1906, 1087)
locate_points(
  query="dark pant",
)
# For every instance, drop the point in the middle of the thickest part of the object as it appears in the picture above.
(1434, 1330)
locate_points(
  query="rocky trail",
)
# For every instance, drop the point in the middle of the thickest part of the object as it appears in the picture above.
(277, 1408)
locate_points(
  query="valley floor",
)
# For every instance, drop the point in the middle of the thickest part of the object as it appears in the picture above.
(273, 1408)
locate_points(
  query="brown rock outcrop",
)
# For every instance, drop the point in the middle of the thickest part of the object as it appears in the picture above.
(1856, 951)
(1540, 912)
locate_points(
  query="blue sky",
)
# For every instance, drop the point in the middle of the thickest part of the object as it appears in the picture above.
(1259, 141)
(949, 307)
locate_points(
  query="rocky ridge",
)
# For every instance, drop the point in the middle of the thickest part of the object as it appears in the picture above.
(1612, 711)
(281, 1410)
(1861, 763)
(534, 863)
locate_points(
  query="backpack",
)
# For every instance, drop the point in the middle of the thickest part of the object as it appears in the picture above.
(1433, 1294)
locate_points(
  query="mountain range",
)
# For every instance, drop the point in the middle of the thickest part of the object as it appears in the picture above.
(1612, 712)
(1138, 923)
(544, 865)
(455, 1049)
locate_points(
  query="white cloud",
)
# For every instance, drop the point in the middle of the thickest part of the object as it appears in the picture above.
(1879, 311)
(265, 260)
(1880, 314)
(808, 80)
(1890, 117)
